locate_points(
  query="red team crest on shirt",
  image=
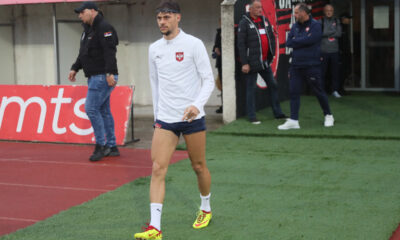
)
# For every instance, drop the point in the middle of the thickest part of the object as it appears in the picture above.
(180, 56)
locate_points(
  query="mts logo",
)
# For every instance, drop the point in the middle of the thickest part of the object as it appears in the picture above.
(57, 113)
(56, 102)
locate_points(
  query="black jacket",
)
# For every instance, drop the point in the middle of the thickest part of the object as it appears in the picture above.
(97, 53)
(217, 44)
(249, 43)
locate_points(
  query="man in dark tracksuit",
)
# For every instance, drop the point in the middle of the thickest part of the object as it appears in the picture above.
(257, 44)
(305, 39)
(97, 58)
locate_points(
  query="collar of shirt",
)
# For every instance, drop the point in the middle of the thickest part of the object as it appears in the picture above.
(97, 20)
(306, 23)
(256, 20)
(180, 35)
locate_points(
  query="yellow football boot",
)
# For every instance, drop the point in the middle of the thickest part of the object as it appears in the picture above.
(202, 220)
(149, 233)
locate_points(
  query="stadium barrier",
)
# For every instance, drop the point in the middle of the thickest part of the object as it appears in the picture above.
(56, 113)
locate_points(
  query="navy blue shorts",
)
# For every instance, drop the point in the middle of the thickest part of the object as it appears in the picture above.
(182, 127)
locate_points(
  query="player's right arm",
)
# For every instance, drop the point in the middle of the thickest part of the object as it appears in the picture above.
(153, 79)
(76, 65)
(290, 37)
(74, 69)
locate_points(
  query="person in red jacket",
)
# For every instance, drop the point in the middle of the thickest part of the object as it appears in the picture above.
(257, 45)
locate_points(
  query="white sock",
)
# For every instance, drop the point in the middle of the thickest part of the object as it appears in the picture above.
(205, 203)
(155, 212)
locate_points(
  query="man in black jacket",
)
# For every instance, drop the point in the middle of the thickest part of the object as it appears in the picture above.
(97, 58)
(257, 45)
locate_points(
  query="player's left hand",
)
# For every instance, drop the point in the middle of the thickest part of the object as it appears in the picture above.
(217, 51)
(190, 113)
(111, 80)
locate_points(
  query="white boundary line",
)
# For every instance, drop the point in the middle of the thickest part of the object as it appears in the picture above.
(55, 187)
(19, 219)
(74, 163)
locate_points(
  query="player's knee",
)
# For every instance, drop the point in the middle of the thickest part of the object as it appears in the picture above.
(199, 167)
(158, 170)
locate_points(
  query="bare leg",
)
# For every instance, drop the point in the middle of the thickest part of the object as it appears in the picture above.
(162, 147)
(196, 145)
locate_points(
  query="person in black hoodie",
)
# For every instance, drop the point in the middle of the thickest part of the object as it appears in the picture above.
(97, 58)
(217, 54)
(257, 45)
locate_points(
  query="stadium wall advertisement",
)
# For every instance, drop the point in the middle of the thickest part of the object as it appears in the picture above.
(280, 14)
(56, 113)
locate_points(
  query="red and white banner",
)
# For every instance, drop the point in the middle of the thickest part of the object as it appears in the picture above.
(56, 113)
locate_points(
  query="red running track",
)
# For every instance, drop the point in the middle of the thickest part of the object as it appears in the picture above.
(40, 180)
(396, 234)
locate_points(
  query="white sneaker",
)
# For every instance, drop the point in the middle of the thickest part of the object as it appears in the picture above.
(289, 124)
(255, 122)
(329, 121)
(336, 94)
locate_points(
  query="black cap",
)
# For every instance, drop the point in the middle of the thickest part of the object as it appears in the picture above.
(86, 5)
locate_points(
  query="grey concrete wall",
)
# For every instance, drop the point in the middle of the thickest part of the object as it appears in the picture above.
(6, 14)
(135, 22)
(33, 39)
(7, 60)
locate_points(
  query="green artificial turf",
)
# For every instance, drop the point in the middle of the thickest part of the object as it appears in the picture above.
(265, 185)
(357, 116)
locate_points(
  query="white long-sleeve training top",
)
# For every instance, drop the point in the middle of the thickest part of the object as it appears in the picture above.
(180, 76)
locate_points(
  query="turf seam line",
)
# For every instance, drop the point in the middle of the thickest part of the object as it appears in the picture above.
(322, 136)
(18, 219)
(55, 187)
